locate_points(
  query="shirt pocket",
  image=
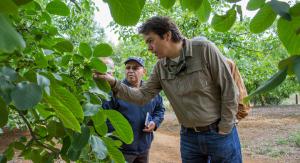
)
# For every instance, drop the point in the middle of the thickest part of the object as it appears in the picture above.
(195, 80)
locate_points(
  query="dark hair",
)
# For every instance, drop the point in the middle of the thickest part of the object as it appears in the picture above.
(160, 25)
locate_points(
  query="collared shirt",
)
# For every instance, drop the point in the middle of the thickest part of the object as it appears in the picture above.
(201, 93)
(136, 115)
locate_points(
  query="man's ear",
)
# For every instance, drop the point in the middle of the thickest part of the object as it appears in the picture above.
(168, 36)
(145, 72)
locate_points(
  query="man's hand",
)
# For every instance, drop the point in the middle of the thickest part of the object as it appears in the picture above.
(108, 77)
(150, 127)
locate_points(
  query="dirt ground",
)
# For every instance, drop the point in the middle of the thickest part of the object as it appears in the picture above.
(267, 136)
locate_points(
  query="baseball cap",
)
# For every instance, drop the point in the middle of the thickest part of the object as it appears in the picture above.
(136, 59)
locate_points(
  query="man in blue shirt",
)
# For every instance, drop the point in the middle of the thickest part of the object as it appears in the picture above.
(138, 151)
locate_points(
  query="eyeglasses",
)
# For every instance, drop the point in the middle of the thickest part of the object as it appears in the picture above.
(134, 68)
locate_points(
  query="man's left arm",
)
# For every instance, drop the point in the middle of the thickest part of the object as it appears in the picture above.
(229, 94)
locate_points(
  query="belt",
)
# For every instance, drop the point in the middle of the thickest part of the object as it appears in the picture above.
(213, 126)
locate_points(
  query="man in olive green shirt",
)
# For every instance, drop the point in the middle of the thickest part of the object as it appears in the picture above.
(199, 86)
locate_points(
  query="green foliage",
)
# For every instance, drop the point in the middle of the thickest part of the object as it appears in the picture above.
(223, 23)
(56, 7)
(263, 19)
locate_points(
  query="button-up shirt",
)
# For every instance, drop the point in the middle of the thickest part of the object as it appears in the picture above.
(201, 93)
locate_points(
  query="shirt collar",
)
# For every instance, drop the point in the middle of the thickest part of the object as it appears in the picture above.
(187, 50)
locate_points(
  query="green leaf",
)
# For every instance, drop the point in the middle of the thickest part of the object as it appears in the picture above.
(98, 65)
(73, 154)
(85, 50)
(98, 147)
(5, 90)
(270, 84)
(3, 113)
(103, 85)
(103, 50)
(295, 10)
(8, 73)
(121, 125)
(263, 19)
(90, 109)
(57, 7)
(125, 12)
(77, 59)
(41, 61)
(289, 34)
(66, 145)
(203, 12)
(141, 3)
(255, 4)
(297, 70)
(63, 113)
(26, 95)
(113, 151)
(281, 8)
(290, 63)
(223, 23)
(21, 2)
(55, 129)
(68, 100)
(8, 7)
(64, 46)
(79, 140)
(192, 5)
(10, 39)
(167, 4)
(99, 118)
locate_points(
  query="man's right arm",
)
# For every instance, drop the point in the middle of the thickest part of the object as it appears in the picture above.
(140, 95)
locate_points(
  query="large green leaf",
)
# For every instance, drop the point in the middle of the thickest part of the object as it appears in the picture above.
(8, 7)
(272, 83)
(290, 63)
(255, 4)
(121, 125)
(98, 65)
(85, 50)
(113, 151)
(223, 23)
(10, 39)
(263, 19)
(289, 34)
(5, 90)
(125, 12)
(281, 8)
(203, 12)
(3, 113)
(26, 95)
(8, 73)
(192, 5)
(79, 140)
(43, 82)
(103, 50)
(99, 118)
(167, 3)
(63, 113)
(57, 7)
(295, 10)
(297, 70)
(68, 100)
(55, 129)
(103, 85)
(64, 46)
(98, 147)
